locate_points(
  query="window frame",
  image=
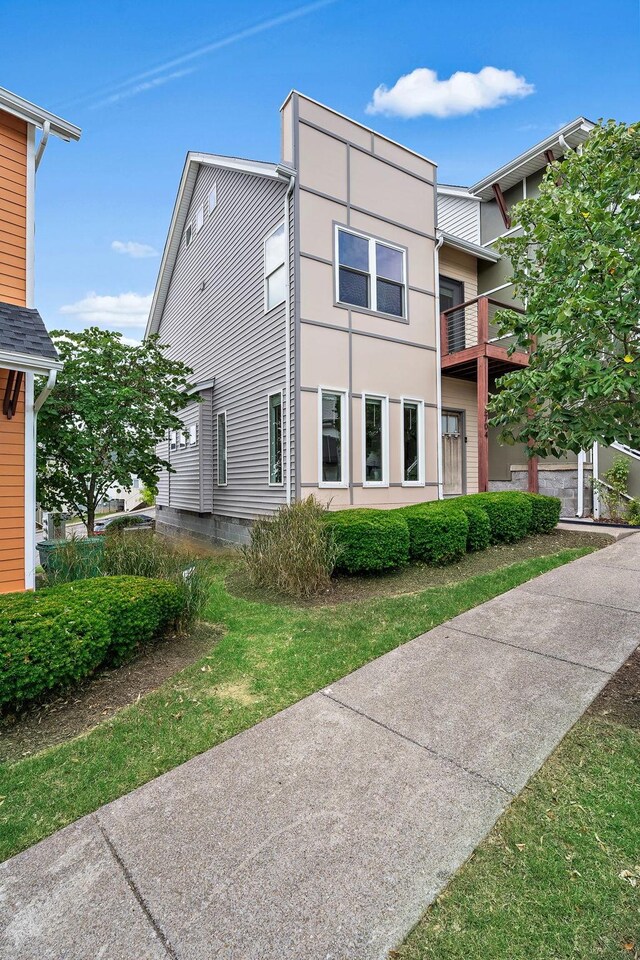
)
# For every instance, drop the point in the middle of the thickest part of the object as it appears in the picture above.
(222, 413)
(280, 266)
(213, 189)
(173, 441)
(371, 395)
(372, 274)
(275, 393)
(188, 234)
(344, 439)
(420, 482)
(193, 434)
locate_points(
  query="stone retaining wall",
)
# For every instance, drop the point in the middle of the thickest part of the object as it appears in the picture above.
(554, 480)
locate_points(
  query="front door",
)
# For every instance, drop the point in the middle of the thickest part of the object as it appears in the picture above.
(452, 295)
(453, 452)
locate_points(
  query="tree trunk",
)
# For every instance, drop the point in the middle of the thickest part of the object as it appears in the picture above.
(91, 507)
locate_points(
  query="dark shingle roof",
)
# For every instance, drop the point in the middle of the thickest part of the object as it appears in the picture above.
(22, 330)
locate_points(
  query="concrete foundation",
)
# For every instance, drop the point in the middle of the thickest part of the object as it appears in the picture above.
(554, 480)
(208, 527)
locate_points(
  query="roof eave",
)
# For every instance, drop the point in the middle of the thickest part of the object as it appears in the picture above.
(27, 362)
(467, 246)
(38, 116)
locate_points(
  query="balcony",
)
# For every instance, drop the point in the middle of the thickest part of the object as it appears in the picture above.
(468, 334)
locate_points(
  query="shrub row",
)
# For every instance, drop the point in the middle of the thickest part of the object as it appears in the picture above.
(438, 532)
(60, 634)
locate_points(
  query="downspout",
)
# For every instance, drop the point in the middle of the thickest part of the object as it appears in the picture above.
(580, 508)
(46, 127)
(436, 259)
(46, 390)
(287, 314)
(595, 459)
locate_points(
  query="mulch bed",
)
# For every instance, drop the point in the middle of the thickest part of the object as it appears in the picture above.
(619, 701)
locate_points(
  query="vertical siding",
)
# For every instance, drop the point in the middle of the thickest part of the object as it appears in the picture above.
(214, 320)
(13, 209)
(12, 508)
(459, 216)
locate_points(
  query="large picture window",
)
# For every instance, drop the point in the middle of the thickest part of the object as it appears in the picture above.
(275, 439)
(274, 269)
(412, 442)
(370, 274)
(333, 444)
(375, 447)
(222, 448)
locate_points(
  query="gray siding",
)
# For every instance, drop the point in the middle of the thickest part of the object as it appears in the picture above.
(491, 222)
(214, 320)
(459, 216)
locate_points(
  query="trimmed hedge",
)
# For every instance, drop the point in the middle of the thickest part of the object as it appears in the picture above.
(479, 536)
(369, 541)
(437, 533)
(545, 512)
(509, 513)
(59, 635)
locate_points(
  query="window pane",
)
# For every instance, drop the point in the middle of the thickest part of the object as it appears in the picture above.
(275, 438)
(332, 437)
(274, 250)
(353, 288)
(389, 263)
(390, 297)
(373, 464)
(222, 448)
(275, 288)
(411, 443)
(193, 434)
(213, 198)
(353, 251)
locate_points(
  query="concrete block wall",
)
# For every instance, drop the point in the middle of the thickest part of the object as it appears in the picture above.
(554, 481)
(208, 528)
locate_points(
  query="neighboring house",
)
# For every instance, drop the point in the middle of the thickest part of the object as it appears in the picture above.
(26, 350)
(338, 325)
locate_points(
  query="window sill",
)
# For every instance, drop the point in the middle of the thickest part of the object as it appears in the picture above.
(413, 483)
(370, 313)
(379, 485)
(324, 485)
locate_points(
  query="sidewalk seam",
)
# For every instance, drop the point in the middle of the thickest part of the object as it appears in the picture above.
(560, 596)
(134, 890)
(441, 756)
(537, 653)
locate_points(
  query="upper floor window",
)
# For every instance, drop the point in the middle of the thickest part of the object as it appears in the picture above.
(213, 198)
(188, 235)
(371, 274)
(274, 269)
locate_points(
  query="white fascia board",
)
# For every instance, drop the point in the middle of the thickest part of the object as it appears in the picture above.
(200, 387)
(578, 129)
(466, 246)
(25, 110)
(450, 191)
(192, 164)
(27, 363)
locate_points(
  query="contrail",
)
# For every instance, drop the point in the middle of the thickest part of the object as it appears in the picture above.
(140, 82)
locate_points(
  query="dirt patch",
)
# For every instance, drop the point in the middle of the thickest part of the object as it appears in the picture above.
(620, 699)
(240, 692)
(417, 577)
(64, 717)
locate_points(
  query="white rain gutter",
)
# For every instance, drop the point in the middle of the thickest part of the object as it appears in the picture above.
(436, 258)
(287, 314)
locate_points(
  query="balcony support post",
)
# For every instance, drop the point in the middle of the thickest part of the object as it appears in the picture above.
(483, 433)
(483, 319)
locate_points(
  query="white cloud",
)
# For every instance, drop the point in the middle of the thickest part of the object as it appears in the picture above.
(133, 249)
(122, 310)
(421, 93)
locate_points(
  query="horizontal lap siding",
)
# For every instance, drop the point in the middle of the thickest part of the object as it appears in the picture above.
(11, 495)
(13, 205)
(459, 216)
(214, 321)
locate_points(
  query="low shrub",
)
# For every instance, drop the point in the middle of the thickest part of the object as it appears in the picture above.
(479, 535)
(59, 635)
(369, 541)
(292, 553)
(509, 513)
(545, 512)
(437, 532)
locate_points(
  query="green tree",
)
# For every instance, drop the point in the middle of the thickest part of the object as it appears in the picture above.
(111, 405)
(576, 267)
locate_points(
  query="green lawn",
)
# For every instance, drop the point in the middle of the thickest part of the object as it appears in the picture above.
(559, 876)
(270, 656)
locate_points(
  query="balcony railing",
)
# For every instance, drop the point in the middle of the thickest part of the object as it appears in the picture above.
(472, 324)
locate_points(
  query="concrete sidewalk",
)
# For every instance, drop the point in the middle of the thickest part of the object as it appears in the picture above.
(324, 832)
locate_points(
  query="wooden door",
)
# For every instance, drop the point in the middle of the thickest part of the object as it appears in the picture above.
(453, 452)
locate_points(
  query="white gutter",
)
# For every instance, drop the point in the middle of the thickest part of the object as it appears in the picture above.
(287, 323)
(436, 259)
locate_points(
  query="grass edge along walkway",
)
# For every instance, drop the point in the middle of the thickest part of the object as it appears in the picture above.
(270, 657)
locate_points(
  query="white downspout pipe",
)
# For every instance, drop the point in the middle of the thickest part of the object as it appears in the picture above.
(436, 257)
(46, 127)
(581, 459)
(596, 476)
(46, 390)
(287, 313)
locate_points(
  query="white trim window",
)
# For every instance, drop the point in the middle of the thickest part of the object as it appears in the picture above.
(370, 274)
(274, 269)
(173, 440)
(221, 434)
(193, 435)
(333, 438)
(412, 452)
(276, 440)
(199, 221)
(212, 198)
(182, 438)
(375, 440)
(188, 236)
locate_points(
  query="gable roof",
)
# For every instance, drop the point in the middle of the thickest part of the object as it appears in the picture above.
(25, 110)
(193, 162)
(24, 338)
(533, 159)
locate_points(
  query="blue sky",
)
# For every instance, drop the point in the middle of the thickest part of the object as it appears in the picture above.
(149, 81)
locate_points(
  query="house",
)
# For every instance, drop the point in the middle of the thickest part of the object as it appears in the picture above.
(26, 351)
(336, 308)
